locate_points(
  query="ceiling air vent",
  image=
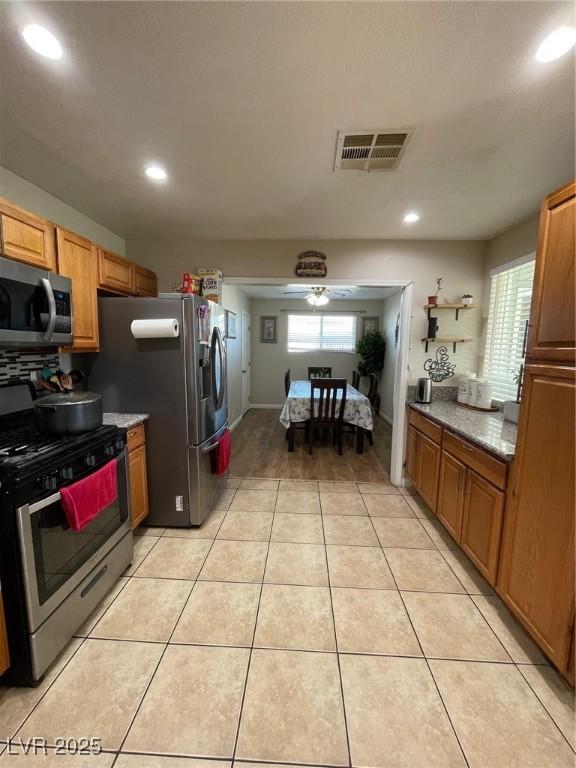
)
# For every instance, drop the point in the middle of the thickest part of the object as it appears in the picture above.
(370, 150)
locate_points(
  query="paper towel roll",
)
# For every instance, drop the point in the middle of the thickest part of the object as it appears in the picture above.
(161, 328)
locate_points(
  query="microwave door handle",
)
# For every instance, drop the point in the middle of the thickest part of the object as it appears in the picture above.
(51, 308)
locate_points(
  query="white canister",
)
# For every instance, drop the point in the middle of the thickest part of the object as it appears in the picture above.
(484, 394)
(473, 392)
(464, 386)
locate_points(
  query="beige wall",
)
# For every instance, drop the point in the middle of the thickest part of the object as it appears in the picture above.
(36, 200)
(389, 310)
(270, 362)
(512, 244)
(235, 300)
(461, 262)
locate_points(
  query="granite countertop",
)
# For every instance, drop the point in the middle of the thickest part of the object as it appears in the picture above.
(488, 430)
(124, 420)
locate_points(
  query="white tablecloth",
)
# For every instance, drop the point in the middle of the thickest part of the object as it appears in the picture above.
(297, 406)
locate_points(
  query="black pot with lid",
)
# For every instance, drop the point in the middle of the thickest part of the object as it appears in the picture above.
(68, 413)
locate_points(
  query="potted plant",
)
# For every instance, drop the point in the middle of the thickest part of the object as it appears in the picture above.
(467, 299)
(371, 349)
(434, 299)
(511, 408)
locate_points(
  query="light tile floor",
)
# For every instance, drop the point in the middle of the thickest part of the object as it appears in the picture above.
(303, 624)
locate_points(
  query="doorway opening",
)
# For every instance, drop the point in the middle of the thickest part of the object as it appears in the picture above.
(290, 332)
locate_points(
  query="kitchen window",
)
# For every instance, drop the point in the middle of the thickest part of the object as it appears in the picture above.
(508, 315)
(321, 333)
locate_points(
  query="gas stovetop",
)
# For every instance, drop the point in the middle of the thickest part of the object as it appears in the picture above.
(24, 445)
(24, 450)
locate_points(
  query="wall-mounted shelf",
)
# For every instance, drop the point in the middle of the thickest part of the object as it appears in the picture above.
(454, 340)
(455, 307)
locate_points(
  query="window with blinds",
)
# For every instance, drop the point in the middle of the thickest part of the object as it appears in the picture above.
(321, 333)
(508, 314)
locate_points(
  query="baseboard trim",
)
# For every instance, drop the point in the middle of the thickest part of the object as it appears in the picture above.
(386, 418)
(269, 406)
(235, 423)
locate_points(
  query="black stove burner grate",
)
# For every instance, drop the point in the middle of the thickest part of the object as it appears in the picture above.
(22, 446)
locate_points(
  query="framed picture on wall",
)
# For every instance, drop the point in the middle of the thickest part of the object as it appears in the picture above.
(268, 330)
(370, 324)
(231, 321)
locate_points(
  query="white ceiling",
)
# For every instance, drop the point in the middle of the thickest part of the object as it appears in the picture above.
(242, 103)
(285, 292)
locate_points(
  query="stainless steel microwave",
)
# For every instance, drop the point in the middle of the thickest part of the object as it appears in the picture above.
(35, 306)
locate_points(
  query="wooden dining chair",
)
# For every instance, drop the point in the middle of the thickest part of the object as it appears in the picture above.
(327, 410)
(356, 380)
(287, 382)
(322, 372)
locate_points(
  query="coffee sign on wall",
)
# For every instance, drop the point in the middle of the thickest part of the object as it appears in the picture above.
(311, 264)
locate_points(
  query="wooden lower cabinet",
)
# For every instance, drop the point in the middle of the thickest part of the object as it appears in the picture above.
(450, 508)
(412, 454)
(138, 475)
(422, 465)
(428, 469)
(4, 653)
(536, 577)
(26, 237)
(482, 524)
(78, 260)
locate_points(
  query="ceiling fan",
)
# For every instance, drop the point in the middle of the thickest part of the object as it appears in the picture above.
(318, 296)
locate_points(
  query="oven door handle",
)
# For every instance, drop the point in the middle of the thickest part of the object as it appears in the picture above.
(44, 503)
(51, 308)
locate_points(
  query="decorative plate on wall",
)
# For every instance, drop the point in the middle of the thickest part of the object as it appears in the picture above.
(311, 264)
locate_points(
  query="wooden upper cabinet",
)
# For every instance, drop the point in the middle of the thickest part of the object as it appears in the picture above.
(451, 494)
(428, 463)
(115, 273)
(78, 260)
(536, 577)
(26, 237)
(482, 524)
(552, 316)
(145, 282)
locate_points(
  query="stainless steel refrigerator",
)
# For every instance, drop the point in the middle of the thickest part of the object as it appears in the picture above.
(181, 383)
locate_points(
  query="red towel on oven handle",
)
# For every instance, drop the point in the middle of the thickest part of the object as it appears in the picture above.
(84, 500)
(223, 453)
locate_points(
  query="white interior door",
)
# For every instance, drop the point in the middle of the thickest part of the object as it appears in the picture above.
(245, 361)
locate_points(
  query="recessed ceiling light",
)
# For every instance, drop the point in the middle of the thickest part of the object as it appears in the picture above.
(156, 172)
(411, 217)
(42, 41)
(556, 44)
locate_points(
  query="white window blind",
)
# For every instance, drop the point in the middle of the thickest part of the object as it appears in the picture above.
(321, 333)
(509, 311)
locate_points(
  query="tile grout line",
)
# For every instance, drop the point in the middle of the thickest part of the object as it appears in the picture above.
(166, 646)
(243, 699)
(336, 640)
(424, 657)
(542, 703)
(512, 660)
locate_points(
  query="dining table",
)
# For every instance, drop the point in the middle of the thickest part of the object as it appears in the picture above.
(357, 411)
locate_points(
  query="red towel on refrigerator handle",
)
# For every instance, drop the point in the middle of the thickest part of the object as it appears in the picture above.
(223, 453)
(84, 500)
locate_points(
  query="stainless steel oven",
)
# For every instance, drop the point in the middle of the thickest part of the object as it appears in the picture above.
(35, 306)
(67, 572)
